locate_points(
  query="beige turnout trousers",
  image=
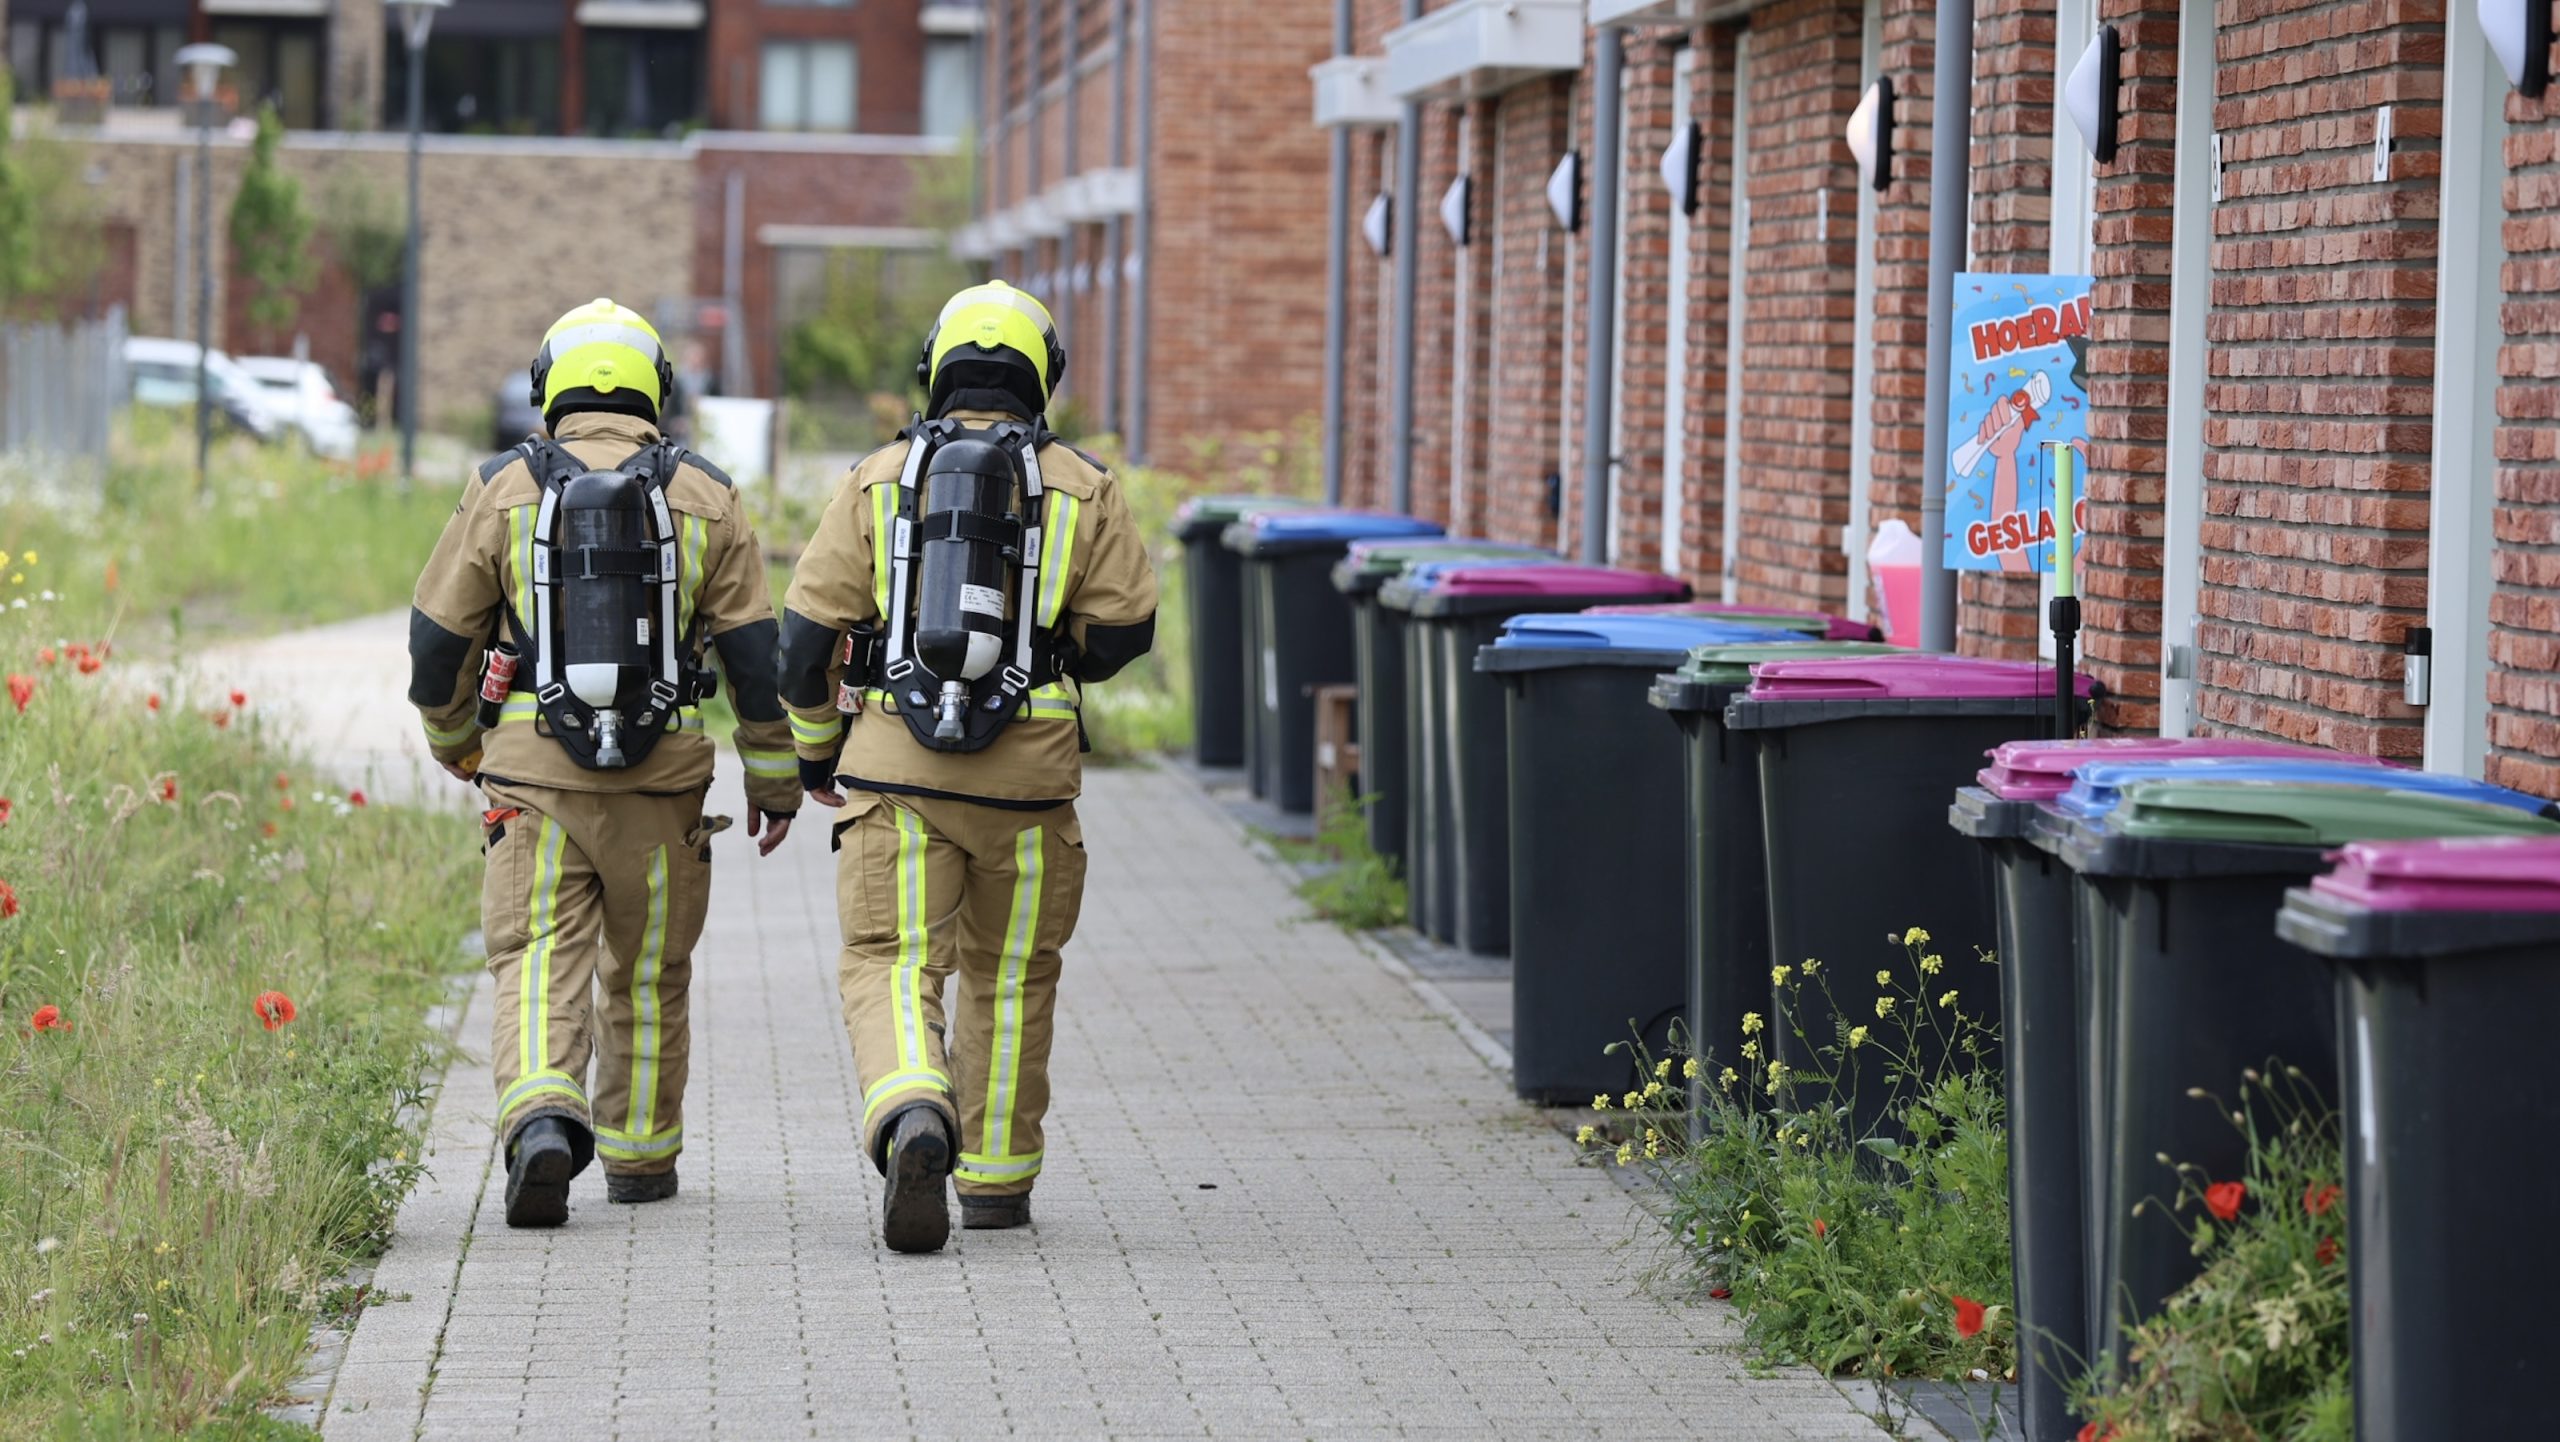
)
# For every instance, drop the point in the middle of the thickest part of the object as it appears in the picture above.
(586, 892)
(928, 887)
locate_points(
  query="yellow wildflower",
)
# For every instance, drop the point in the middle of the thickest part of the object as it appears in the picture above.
(161, 1250)
(1728, 1078)
(1585, 1135)
(1653, 1091)
(1804, 1140)
(1662, 1069)
(1632, 1100)
(1812, 967)
(1947, 1000)
(1857, 1037)
(1690, 1069)
(1626, 1153)
(1778, 975)
(163, 1286)
(1932, 963)
(29, 558)
(1600, 1103)
(1914, 937)
(1751, 1051)
(1884, 1007)
(1653, 1147)
(1884, 978)
(1751, 1023)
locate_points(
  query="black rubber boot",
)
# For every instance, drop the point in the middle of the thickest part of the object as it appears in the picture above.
(990, 1214)
(652, 1187)
(539, 1166)
(917, 1216)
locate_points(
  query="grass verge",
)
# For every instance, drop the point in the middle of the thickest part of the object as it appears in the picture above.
(214, 972)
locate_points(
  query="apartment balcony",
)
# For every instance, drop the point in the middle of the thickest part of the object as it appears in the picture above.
(1483, 47)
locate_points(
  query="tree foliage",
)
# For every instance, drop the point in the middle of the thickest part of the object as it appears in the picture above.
(48, 222)
(366, 225)
(271, 231)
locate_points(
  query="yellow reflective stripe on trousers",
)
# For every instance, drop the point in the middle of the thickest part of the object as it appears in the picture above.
(533, 972)
(771, 765)
(541, 1083)
(996, 1170)
(883, 516)
(816, 733)
(906, 981)
(1058, 547)
(520, 542)
(626, 1147)
(1004, 1065)
(899, 1082)
(648, 1005)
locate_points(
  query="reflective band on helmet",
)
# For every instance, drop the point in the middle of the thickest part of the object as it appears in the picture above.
(603, 332)
(648, 1006)
(996, 1170)
(1013, 967)
(542, 933)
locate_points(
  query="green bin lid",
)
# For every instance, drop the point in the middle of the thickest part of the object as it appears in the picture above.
(2286, 813)
(1371, 564)
(1731, 665)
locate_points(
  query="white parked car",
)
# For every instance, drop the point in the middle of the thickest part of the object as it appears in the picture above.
(163, 374)
(300, 391)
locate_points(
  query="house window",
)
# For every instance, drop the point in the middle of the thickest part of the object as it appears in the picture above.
(279, 66)
(808, 85)
(642, 82)
(950, 85)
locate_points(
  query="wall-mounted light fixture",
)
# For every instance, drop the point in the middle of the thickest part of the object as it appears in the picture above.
(1564, 192)
(1871, 134)
(2520, 32)
(2090, 93)
(1454, 209)
(1378, 227)
(1680, 167)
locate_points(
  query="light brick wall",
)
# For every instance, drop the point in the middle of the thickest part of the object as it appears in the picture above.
(1997, 615)
(2524, 610)
(2317, 408)
(2120, 570)
(358, 47)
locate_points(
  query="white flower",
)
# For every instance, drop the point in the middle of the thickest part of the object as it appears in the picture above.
(47, 1244)
(41, 1297)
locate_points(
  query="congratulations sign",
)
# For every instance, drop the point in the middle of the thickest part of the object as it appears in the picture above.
(2022, 381)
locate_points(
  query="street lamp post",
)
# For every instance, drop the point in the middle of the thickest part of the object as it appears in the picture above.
(204, 65)
(418, 17)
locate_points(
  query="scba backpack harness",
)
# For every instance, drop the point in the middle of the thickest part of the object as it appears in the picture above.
(965, 547)
(611, 674)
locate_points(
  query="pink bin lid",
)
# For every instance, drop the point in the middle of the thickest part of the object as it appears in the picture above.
(2464, 873)
(1835, 628)
(1912, 677)
(1565, 581)
(2041, 770)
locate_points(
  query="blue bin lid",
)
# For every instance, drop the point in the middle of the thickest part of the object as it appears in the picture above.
(1277, 531)
(2097, 790)
(1550, 642)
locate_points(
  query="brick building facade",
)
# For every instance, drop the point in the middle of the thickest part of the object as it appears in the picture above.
(2321, 372)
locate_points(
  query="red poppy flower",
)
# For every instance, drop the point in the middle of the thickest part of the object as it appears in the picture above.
(2089, 1433)
(239, 700)
(274, 1008)
(2327, 1252)
(2223, 1199)
(283, 782)
(22, 689)
(1720, 1293)
(169, 788)
(6, 806)
(221, 720)
(1968, 1316)
(91, 665)
(48, 1018)
(2319, 1197)
(47, 656)
(356, 798)
(285, 801)
(269, 829)
(8, 900)
(1821, 1229)
(151, 702)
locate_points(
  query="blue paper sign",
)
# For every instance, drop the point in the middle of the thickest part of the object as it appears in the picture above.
(2021, 383)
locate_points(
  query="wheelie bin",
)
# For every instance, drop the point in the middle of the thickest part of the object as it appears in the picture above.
(2184, 875)
(1857, 758)
(1298, 634)
(1725, 884)
(1377, 651)
(2447, 962)
(1814, 624)
(1460, 840)
(2040, 1009)
(1596, 921)
(1213, 584)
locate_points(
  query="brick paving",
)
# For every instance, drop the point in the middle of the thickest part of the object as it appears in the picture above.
(1285, 1198)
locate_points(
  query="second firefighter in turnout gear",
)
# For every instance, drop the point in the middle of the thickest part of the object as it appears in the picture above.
(561, 646)
(963, 586)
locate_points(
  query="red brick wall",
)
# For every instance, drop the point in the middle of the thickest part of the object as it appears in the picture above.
(1797, 323)
(2320, 389)
(2524, 610)
(1900, 410)
(328, 313)
(1704, 308)
(1237, 275)
(1646, 300)
(1471, 395)
(888, 36)
(1996, 615)
(1371, 279)
(2120, 564)
(1531, 131)
(1435, 315)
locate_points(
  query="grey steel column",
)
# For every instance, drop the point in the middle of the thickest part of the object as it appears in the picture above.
(1405, 227)
(1950, 141)
(1337, 280)
(1600, 327)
